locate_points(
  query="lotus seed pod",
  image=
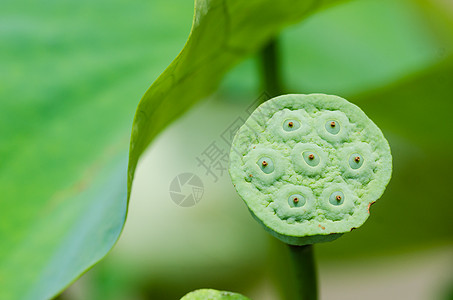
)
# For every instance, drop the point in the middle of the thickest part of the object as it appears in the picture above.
(210, 294)
(309, 166)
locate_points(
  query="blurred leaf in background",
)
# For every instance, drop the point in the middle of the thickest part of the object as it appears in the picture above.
(71, 74)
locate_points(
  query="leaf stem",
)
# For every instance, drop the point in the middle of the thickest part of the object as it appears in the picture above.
(305, 272)
(270, 68)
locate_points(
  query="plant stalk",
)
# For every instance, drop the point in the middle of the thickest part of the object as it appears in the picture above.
(305, 271)
(270, 68)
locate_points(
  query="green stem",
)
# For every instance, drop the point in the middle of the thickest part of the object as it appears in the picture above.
(270, 65)
(305, 272)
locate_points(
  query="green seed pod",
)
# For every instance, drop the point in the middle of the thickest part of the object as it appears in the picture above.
(206, 294)
(309, 166)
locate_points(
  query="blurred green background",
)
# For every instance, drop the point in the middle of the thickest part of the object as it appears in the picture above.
(71, 76)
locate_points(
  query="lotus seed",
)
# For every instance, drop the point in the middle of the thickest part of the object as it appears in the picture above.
(296, 200)
(317, 163)
(355, 161)
(332, 127)
(266, 165)
(291, 125)
(336, 198)
(311, 159)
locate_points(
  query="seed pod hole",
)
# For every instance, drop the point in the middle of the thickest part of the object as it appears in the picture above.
(296, 200)
(332, 127)
(355, 161)
(336, 198)
(266, 165)
(311, 158)
(291, 125)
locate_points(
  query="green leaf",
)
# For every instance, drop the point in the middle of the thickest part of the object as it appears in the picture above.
(65, 114)
(360, 46)
(223, 33)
